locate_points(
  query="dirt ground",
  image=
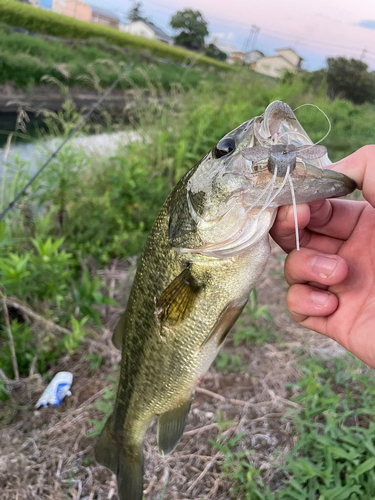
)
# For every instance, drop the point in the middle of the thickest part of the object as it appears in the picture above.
(46, 454)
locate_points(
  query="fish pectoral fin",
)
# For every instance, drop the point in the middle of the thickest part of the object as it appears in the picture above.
(178, 298)
(171, 425)
(223, 325)
(119, 333)
(128, 467)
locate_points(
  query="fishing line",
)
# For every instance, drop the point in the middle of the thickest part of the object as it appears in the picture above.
(269, 186)
(278, 191)
(294, 212)
(323, 113)
(68, 137)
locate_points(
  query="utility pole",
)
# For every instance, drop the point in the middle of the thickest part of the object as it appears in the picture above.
(255, 37)
(251, 39)
(363, 55)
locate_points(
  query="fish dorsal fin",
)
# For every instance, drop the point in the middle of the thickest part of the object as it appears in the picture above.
(178, 298)
(225, 322)
(171, 425)
(119, 332)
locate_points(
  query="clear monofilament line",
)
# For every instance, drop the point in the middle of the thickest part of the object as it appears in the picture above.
(268, 187)
(294, 212)
(277, 192)
(326, 117)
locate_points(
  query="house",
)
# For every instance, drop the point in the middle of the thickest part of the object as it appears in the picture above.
(85, 12)
(146, 29)
(284, 60)
(104, 17)
(235, 56)
(73, 8)
(252, 56)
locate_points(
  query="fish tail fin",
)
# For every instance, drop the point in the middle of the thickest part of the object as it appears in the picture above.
(126, 464)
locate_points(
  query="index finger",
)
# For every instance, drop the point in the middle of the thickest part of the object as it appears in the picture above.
(325, 224)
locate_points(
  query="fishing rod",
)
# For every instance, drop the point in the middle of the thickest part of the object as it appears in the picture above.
(68, 137)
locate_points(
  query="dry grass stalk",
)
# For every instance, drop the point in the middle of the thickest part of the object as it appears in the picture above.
(45, 454)
(30, 314)
(11, 340)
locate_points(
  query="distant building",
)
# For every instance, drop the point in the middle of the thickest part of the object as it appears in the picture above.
(104, 17)
(285, 59)
(85, 12)
(73, 8)
(252, 56)
(146, 29)
(235, 56)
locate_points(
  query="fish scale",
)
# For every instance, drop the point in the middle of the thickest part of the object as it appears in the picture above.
(203, 256)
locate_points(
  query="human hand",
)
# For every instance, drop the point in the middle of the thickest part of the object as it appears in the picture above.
(332, 277)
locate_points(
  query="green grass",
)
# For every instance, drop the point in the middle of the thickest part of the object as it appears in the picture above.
(27, 60)
(334, 456)
(49, 23)
(84, 210)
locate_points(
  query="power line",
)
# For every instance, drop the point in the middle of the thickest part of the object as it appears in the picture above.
(68, 137)
(311, 42)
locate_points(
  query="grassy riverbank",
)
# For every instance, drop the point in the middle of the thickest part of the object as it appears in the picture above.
(49, 23)
(94, 63)
(67, 258)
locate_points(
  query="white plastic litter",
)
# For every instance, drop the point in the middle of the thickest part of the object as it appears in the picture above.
(56, 390)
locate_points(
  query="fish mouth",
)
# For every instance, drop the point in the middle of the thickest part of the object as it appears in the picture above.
(311, 180)
(312, 183)
(323, 183)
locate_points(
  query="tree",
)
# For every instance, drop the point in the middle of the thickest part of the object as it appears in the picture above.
(214, 52)
(135, 13)
(192, 29)
(349, 79)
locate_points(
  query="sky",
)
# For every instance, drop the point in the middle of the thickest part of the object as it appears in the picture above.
(315, 29)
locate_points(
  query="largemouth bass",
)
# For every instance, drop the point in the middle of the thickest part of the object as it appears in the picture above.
(204, 254)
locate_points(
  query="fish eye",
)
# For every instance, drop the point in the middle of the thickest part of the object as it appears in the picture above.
(224, 147)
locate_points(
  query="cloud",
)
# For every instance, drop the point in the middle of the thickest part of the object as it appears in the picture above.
(224, 36)
(370, 25)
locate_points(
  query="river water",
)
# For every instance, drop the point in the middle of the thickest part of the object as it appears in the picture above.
(35, 153)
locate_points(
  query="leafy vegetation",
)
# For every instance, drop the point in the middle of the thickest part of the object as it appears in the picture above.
(350, 79)
(51, 23)
(85, 209)
(342, 79)
(212, 51)
(334, 457)
(192, 29)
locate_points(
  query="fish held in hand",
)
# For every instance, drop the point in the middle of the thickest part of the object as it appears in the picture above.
(204, 254)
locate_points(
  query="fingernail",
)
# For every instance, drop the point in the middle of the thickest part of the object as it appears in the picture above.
(322, 265)
(320, 298)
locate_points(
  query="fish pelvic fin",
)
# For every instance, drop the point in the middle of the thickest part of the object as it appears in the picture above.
(226, 320)
(127, 464)
(171, 425)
